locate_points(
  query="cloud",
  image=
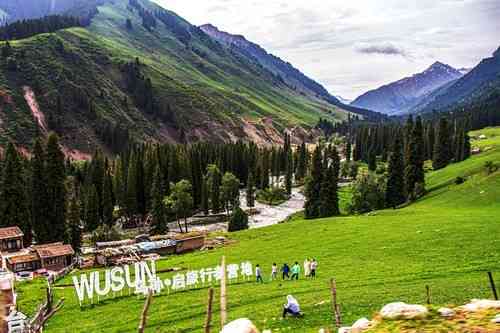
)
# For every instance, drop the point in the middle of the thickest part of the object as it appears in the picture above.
(380, 48)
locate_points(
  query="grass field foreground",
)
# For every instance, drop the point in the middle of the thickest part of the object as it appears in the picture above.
(447, 240)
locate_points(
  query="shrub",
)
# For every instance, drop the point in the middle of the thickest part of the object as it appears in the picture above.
(368, 194)
(272, 196)
(105, 233)
(238, 221)
(459, 180)
(490, 167)
(418, 192)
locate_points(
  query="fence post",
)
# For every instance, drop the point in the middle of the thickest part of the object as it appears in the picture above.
(335, 306)
(493, 287)
(428, 291)
(223, 299)
(208, 319)
(144, 314)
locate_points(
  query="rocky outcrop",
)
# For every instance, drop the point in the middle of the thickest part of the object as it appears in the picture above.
(400, 310)
(480, 304)
(241, 325)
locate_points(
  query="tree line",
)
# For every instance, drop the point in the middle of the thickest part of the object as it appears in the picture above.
(54, 199)
(47, 24)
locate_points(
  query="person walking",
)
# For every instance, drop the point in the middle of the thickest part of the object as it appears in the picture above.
(258, 274)
(307, 268)
(286, 271)
(295, 271)
(274, 272)
(314, 266)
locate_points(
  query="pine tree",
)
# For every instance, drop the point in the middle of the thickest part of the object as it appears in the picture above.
(250, 190)
(238, 221)
(265, 170)
(140, 183)
(348, 150)
(395, 190)
(301, 163)
(40, 222)
(414, 167)
(205, 196)
(158, 211)
(467, 147)
(442, 155)
(131, 199)
(119, 183)
(107, 200)
(75, 231)
(313, 186)
(92, 216)
(215, 180)
(289, 171)
(372, 160)
(329, 205)
(56, 189)
(14, 205)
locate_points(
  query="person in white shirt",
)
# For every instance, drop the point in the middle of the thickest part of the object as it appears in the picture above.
(307, 267)
(314, 267)
(274, 272)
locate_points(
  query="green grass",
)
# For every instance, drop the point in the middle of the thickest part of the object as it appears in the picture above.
(447, 240)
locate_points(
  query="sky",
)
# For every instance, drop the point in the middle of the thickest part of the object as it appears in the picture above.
(357, 45)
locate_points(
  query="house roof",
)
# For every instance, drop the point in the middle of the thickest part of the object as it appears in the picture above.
(23, 258)
(10, 232)
(53, 250)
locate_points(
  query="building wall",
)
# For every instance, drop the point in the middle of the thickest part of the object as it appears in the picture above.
(190, 244)
(16, 244)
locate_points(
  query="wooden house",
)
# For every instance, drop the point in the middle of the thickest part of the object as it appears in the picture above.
(11, 239)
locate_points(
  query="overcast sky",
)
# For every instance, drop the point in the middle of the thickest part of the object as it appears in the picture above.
(352, 46)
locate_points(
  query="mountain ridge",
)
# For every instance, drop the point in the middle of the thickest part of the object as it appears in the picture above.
(275, 64)
(477, 85)
(400, 96)
(197, 89)
(285, 71)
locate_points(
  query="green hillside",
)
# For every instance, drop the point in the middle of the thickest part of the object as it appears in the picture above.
(200, 88)
(447, 240)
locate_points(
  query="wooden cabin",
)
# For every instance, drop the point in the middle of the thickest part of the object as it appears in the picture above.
(11, 239)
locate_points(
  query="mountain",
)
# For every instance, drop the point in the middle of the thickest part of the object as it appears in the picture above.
(139, 72)
(480, 84)
(285, 71)
(400, 96)
(292, 76)
(15, 10)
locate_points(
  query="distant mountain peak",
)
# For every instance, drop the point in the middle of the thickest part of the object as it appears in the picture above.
(216, 33)
(402, 95)
(496, 54)
(439, 66)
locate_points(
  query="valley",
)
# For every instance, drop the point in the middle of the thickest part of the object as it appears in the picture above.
(185, 166)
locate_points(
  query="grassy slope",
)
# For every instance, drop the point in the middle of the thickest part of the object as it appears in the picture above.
(446, 240)
(214, 88)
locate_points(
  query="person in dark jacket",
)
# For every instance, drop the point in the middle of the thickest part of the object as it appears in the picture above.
(286, 271)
